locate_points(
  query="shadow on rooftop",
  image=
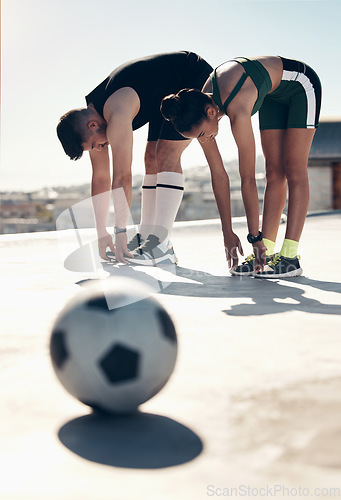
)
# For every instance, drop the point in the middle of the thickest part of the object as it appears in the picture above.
(268, 296)
(138, 441)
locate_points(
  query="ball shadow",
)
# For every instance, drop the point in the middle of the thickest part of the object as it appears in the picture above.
(138, 441)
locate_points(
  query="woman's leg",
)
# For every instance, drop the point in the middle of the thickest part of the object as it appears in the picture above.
(297, 147)
(296, 152)
(273, 142)
(274, 196)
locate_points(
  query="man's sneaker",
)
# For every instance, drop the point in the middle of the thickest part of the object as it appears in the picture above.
(152, 252)
(132, 245)
(135, 242)
(248, 266)
(281, 267)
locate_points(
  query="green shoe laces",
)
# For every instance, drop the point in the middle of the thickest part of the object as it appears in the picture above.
(277, 257)
(250, 257)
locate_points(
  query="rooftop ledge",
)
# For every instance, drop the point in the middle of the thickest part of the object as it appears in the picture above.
(178, 226)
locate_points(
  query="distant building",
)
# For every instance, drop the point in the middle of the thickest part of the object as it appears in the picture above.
(14, 225)
(18, 210)
(20, 213)
(325, 166)
(37, 211)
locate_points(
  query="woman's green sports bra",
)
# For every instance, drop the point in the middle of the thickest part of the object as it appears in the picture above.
(258, 74)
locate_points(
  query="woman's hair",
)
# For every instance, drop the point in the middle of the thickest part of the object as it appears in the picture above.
(186, 109)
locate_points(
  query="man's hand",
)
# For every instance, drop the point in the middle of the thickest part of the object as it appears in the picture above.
(231, 247)
(104, 242)
(121, 248)
(259, 249)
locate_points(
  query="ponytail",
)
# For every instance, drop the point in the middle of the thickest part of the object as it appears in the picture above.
(186, 109)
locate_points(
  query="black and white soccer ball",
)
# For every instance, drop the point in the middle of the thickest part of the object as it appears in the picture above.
(114, 346)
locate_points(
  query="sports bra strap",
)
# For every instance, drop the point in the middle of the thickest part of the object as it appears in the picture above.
(216, 93)
(215, 90)
(235, 90)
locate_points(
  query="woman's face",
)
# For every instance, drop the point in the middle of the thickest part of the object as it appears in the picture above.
(205, 131)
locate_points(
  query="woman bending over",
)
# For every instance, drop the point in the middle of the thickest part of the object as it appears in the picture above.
(287, 94)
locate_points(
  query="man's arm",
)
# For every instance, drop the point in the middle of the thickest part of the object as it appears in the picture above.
(100, 193)
(221, 189)
(120, 137)
(119, 111)
(242, 131)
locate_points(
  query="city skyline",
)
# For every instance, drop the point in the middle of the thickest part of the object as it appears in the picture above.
(54, 53)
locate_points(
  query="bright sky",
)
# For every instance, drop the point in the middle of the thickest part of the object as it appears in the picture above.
(55, 52)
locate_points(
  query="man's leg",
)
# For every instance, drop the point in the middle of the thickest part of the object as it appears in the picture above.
(170, 185)
(149, 191)
(162, 188)
(162, 159)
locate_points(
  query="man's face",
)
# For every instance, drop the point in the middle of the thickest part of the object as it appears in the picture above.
(97, 139)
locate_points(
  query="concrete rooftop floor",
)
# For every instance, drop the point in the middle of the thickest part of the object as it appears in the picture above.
(254, 401)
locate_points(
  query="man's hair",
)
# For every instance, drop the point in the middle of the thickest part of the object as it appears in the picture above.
(69, 131)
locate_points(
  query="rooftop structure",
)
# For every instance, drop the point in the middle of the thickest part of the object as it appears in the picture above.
(254, 401)
(326, 146)
(325, 163)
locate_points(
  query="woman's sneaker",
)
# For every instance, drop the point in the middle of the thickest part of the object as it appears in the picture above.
(152, 252)
(248, 266)
(281, 267)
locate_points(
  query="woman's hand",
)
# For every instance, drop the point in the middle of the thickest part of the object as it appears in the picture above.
(232, 246)
(259, 249)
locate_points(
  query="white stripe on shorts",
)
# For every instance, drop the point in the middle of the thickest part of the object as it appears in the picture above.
(309, 91)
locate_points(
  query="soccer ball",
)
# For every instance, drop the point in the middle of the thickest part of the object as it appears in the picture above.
(114, 346)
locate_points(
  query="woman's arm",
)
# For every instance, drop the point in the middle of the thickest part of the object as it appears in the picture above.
(119, 112)
(243, 134)
(242, 131)
(221, 190)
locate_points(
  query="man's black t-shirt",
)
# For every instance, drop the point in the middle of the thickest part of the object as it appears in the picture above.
(152, 78)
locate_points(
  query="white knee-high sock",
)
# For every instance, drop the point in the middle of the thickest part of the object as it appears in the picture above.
(148, 205)
(169, 193)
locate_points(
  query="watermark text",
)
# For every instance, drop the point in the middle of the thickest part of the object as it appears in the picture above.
(279, 490)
